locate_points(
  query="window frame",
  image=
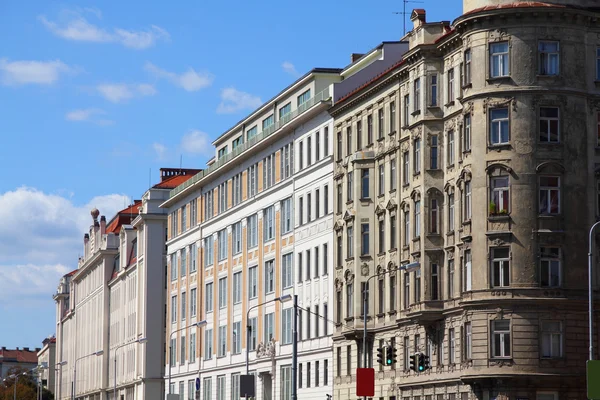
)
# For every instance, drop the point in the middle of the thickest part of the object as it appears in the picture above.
(545, 56)
(503, 58)
(549, 189)
(504, 267)
(502, 333)
(551, 334)
(495, 125)
(550, 257)
(548, 121)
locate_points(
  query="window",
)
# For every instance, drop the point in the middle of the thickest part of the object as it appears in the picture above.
(417, 285)
(549, 52)
(250, 133)
(501, 338)
(300, 210)
(417, 156)
(326, 319)
(252, 225)
(450, 279)
(236, 183)
(286, 325)
(318, 146)
(173, 309)
(317, 373)
(181, 389)
(550, 267)
(190, 389)
(349, 300)
(252, 282)
(303, 98)
(209, 297)
(269, 276)
(317, 320)
(223, 292)
(300, 267)
(285, 110)
(551, 339)
(380, 295)
(183, 262)
(433, 153)
(174, 224)
(269, 327)
(433, 90)
(350, 244)
(269, 171)
(325, 372)
(369, 130)
(406, 109)
(598, 64)
(406, 228)
(499, 60)
(236, 342)
(406, 169)
(467, 65)
(286, 382)
(406, 353)
(348, 141)
(549, 127)
(193, 257)
(287, 160)
(316, 266)
(339, 198)
(433, 217)
(392, 293)
(221, 387)
(381, 180)
(350, 186)
(358, 135)
(467, 271)
(309, 151)
(173, 352)
(417, 93)
(393, 232)
(467, 201)
(499, 128)
(252, 180)
(307, 265)
(435, 282)
(174, 266)
(380, 124)
(325, 259)
(500, 195)
(207, 385)
(364, 239)
(451, 347)
(237, 287)
(308, 325)
(500, 267)
(269, 223)
(340, 258)
(236, 233)
(467, 132)
(451, 212)
(286, 270)
(393, 176)
(364, 186)
(222, 239)
(253, 324)
(381, 237)
(286, 216)
(451, 148)
(451, 85)
(235, 386)
(406, 290)
(325, 199)
(308, 374)
(308, 207)
(222, 152)
(193, 302)
(339, 145)
(468, 350)
(208, 344)
(222, 193)
(549, 195)
(339, 306)
(222, 342)
(392, 116)
(417, 218)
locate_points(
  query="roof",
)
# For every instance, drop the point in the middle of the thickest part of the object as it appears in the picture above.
(124, 217)
(516, 4)
(72, 272)
(19, 356)
(173, 181)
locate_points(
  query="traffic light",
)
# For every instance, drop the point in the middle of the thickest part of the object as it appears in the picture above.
(424, 362)
(394, 355)
(414, 362)
(380, 355)
(389, 355)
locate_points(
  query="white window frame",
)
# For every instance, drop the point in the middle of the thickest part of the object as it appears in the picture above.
(499, 58)
(269, 327)
(223, 244)
(209, 296)
(236, 338)
(236, 233)
(417, 94)
(223, 292)
(269, 224)
(451, 85)
(269, 276)
(287, 212)
(548, 190)
(209, 247)
(550, 336)
(253, 282)
(500, 191)
(503, 266)
(546, 137)
(193, 302)
(208, 344)
(501, 335)
(286, 325)
(467, 132)
(497, 122)
(287, 266)
(237, 287)
(451, 148)
(252, 231)
(546, 55)
(433, 90)
(222, 341)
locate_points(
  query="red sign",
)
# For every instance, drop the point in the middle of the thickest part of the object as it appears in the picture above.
(365, 382)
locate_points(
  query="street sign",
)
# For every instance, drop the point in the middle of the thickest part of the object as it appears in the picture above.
(365, 382)
(197, 383)
(593, 379)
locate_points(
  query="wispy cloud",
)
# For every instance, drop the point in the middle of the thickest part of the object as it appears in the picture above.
(189, 80)
(120, 92)
(290, 68)
(160, 150)
(31, 72)
(74, 26)
(197, 142)
(233, 100)
(92, 115)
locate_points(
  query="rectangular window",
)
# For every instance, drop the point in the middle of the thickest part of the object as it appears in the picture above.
(325, 259)
(381, 180)
(435, 282)
(286, 160)
(317, 258)
(183, 305)
(417, 286)
(300, 326)
(184, 218)
(364, 183)
(300, 276)
(303, 98)
(380, 296)
(252, 180)
(253, 324)
(433, 216)
(325, 372)
(222, 195)
(237, 142)
(500, 267)
(348, 141)
(174, 266)
(173, 309)
(183, 257)
(236, 342)
(550, 267)
(326, 319)
(406, 109)
(406, 353)
(221, 387)
(286, 382)
(173, 352)
(309, 151)
(406, 228)
(364, 239)
(501, 338)
(317, 203)
(308, 324)
(381, 123)
(499, 60)
(269, 327)
(317, 320)
(286, 216)
(269, 276)
(392, 116)
(250, 133)
(468, 348)
(317, 146)
(308, 207)
(417, 94)
(339, 146)
(349, 300)
(326, 141)
(392, 297)
(317, 373)
(350, 186)
(268, 171)
(223, 292)
(467, 271)
(193, 302)
(467, 132)
(252, 226)
(339, 198)
(406, 169)
(467, 65)
(252, 282)
(350, 243)
(451, 149)
(300, 210)
(236, 183)
(433, 153)
(208, 297)
(549, 52)
(393, 176)
(286, 325)
(236, 233)
(285, 110)
(339, 306)
(222, 239)
(339, 244)
(451, 85)
(190, 389)
(207, 384)
(235, 386)
(451, 212)
(237, 287)
(549, 125)
(308, 375)
(598, 64)
(393, 232)
(325, 199)
(500, 195)
(208, 344)
(499, 126)
(417, 218)
(551, 339)
(222, 342)
(417, 156)
(450, 279)
(451, 346)
(468, 209)
(549, 195)
(269, 224)
(381, 237)
(433, 90)
(359, 135)
(406, 289)
(339, 362)
(369, 129)
(286, 270)
(307, 265)
(193, 257)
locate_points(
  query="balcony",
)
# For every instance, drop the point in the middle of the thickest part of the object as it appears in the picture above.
(250, 143)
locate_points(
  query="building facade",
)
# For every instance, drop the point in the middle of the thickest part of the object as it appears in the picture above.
(256, 225)
(22, 358)
(474, 156)
(47, 363)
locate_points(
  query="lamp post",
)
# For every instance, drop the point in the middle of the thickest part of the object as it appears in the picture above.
(58, 382)
(281, 299)
(199, 324)
(74, 383)
(140, 340)
(590, 292)
(366, 304)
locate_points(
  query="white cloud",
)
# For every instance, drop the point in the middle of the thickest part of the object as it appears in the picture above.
(289, 68)
(31, 72)
(74, 26)
(119, 92)
(197, 142)
(88, 115)
(233, 100)
(189, 80)
(41, 237)
(160, 149)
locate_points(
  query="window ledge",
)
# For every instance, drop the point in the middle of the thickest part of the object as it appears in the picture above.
(348, 202)
(393, 249)
(449, 104)
(499, 217)
(433, 235)
(405, 247)
(392, 133)
(450, 165)
(467, 86)
(417, 173)
(348, 319)
(499, 146)
(433, 107)
(381, 195)
(498, 79)
(349, 259)
(467, 151)
(366, 257)
(379, 139)
(415, 113)
(392, 312)
(466, 222)
(549, 143)
(548, 216)
(380, 315)
(450, 233)
(416, 239)
(392, 191)
(381, 254)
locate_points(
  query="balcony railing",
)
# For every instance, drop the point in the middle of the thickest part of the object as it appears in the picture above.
(319, 97)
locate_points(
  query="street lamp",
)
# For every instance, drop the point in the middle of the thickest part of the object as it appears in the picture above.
(198, 324)
(281, 299)
(141, 341)
(74, 383)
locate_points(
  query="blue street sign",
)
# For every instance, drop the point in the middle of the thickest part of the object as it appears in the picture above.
(197, 383)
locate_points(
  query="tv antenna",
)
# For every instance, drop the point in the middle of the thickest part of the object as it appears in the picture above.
(404, 13)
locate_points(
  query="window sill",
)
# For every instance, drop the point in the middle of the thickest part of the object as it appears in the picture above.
(450, 233)
(434, 235)
(405, 247)
(466, 222)
(381, 195)
(449, 104)
(365, 257)
(349, 202)
(499, 147)
(349, 259)
(498, 79)
(380, 315)
(393, 249)
(416, 239)
(467, 86)
(392, 312)
(548, 143)
(416, 173)
(380, 139)
(366, 200)
(548, 215)
(450, 166)
(392, 133)
(349, 319)
(392, 191)
(499, 217)
(433, 107)
(415, 113)
(468, 151)
(381, 254)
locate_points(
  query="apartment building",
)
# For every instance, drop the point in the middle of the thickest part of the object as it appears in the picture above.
(110, 303)
(475, 158)
(47, 363)
(255, 226)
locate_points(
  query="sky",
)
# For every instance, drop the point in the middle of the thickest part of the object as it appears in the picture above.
(96, 97)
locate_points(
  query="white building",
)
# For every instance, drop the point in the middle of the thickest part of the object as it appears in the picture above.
(254, 226)
(47, 363)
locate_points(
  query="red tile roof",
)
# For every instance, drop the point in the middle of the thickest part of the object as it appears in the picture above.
(18, 356)
(124, 217)
(419, 11)
(172, 182)
(445, 35)
(516, 4)
(72, 272)
(369, 82)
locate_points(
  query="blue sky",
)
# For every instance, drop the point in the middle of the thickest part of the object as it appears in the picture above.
(95, 95)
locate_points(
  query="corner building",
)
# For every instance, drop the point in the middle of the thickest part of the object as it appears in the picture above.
(474, 155)
(254, 226)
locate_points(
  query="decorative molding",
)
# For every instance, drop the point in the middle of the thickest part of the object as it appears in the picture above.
(488, 102)
(416, 132)
(469, 108)
(364, 270)
(349, 277)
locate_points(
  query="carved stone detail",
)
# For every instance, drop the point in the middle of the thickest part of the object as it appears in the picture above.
(416, 132)
(364, 270)
(506, 102)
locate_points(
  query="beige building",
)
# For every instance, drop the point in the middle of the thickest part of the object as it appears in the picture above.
(475, 156)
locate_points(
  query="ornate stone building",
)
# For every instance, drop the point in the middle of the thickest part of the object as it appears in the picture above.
(474, 155)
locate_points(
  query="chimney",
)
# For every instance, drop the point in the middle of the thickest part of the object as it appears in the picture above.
(26, 348)
(3, 347)
(37, 349)
(418, 17)
(355, 56)
(102, 225)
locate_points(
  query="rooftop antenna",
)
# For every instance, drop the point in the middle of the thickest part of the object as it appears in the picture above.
(404, 13)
